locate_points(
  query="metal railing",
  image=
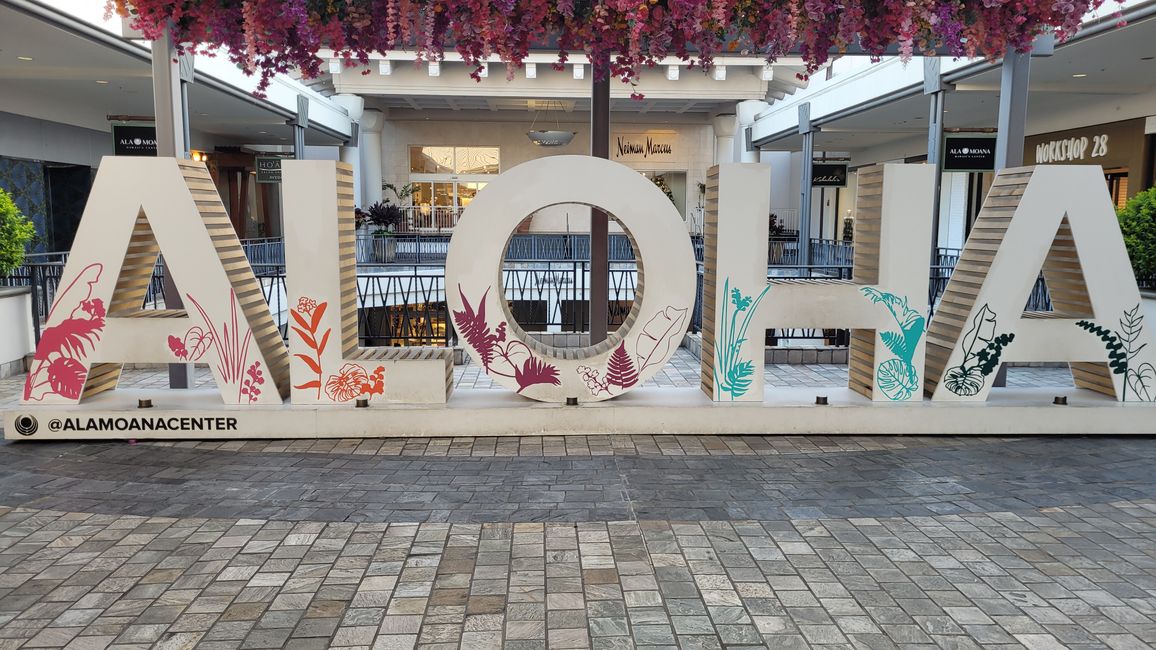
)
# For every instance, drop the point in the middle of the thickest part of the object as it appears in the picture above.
(402, 302)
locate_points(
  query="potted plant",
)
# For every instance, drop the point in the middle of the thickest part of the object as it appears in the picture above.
(385, 219)
(16, 231)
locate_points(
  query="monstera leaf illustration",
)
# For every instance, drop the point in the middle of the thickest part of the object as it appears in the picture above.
(658, 335)
(897, 379)
(964, 381)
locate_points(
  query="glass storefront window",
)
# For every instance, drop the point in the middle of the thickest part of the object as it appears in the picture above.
(454, 160)
(431, 160)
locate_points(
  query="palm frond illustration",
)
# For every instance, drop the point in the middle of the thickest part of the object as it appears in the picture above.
(733, 375)
(897, 378)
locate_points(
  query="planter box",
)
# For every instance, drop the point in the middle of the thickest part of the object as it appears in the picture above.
(17, 339)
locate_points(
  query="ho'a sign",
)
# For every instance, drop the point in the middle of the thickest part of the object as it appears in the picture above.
(268, 169)
(969, 153)
(140, 208)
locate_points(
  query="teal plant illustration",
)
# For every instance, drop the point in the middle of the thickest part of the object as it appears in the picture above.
(896, 377)
(1122, 349)
(732, 373)
(982, 348)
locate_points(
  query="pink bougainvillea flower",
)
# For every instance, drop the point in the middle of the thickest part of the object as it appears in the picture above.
(347, 384)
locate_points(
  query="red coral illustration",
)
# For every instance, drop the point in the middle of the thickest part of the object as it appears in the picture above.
(231, 342)
(254, 378)
(353, 381)
(620, 369)
(193, 345)
(499, 356)
(659, 333)
(60, 367)
(306, 329)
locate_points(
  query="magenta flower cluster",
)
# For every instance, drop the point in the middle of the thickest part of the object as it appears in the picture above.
(272, 36)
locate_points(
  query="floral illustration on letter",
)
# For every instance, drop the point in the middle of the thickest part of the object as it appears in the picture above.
(897, 378)
(981, 352)
(308, 315)
(661, 332)
(231, 345)
(620, 373)
(352, 381)
(498, 356)
(732, 373)
(59, 366)
(1122, 349)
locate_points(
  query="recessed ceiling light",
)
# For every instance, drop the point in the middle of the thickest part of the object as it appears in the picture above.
(1079, 75)
(101, 81)
(24, 58)
(263, 132)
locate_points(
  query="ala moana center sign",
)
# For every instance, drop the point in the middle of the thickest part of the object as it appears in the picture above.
(908, 372)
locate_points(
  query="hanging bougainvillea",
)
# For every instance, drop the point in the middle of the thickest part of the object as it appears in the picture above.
(271, 36)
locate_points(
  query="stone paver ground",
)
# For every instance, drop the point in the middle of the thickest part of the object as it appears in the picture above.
(600, 542)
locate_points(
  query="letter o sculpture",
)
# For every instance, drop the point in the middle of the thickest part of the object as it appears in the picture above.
(652, 331)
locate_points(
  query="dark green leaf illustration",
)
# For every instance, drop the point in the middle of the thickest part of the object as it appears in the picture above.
(982, 349)
(1122, 348)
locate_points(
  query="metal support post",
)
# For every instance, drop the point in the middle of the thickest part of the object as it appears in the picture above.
(300, 123)
(805, 188)
(936, 91)
(599, 223)
(171, 118)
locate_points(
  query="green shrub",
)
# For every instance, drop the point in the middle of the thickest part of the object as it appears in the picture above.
(15, 233)
(1138, 223)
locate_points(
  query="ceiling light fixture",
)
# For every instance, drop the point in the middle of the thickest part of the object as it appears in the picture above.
(24, 58)
(550, 138)
(101, 82)
(1079, 75)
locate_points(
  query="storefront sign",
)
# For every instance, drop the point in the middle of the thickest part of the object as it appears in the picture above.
(626, 147)
(969, 153)
(1072, 149)
(828, 175)
(134, 140)
(268, 169)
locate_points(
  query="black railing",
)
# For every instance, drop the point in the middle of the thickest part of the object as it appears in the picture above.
(403, 303)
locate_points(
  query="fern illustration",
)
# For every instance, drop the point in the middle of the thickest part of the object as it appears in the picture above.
(1122, 348)
(732, 374)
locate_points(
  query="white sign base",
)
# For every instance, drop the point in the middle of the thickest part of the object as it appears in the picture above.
(645, 411)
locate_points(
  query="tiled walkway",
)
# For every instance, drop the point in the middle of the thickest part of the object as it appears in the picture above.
(601, 542)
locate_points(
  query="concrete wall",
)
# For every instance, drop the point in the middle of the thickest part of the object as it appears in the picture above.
(16, 323)
(33, 139)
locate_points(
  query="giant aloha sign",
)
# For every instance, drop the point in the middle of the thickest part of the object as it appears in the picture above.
(1050, 219)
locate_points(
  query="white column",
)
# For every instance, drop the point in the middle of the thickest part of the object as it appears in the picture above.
(724, 138)
(167, 104)
(745, 112)
(354, 105)
(369, 142)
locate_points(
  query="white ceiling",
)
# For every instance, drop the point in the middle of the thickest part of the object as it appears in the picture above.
(60, 84)
(1118, 63)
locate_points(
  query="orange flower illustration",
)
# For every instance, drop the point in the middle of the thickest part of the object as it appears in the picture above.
(347, 384)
